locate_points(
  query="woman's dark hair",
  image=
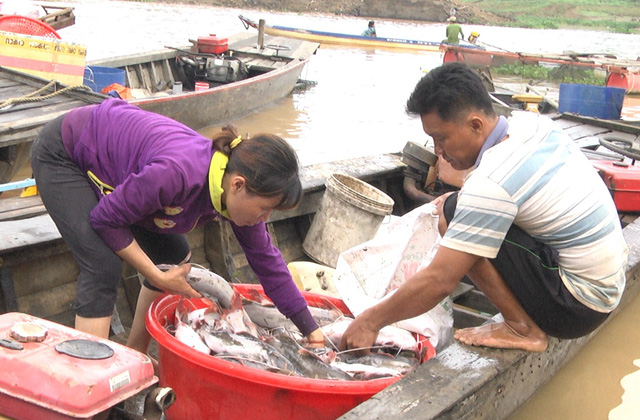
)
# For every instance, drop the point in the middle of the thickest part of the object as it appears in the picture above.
(449, 90)
(267, 162)
(371, 23)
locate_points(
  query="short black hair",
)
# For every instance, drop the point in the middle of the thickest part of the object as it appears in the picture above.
(371, 23)
(449, 90)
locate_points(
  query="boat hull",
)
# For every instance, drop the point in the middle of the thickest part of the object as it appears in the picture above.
(273, 74)
(226, 102)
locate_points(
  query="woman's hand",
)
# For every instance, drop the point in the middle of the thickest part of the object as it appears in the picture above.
(316, 339)
(174, 281)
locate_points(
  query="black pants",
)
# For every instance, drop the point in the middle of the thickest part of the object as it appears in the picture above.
(69, 198)
(530, 269)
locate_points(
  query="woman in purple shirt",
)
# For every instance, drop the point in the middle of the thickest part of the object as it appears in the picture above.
(125, 184)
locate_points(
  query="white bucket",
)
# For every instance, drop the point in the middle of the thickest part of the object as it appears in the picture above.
(350, 213)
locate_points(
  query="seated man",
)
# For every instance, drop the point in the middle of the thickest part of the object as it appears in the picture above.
(371, 30)
(533, 226)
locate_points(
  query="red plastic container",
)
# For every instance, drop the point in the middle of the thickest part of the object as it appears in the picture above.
(211, 388)
(212, 44)
(623, 181)
(38, 382)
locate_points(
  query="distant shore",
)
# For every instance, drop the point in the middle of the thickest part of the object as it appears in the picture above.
(623, 18)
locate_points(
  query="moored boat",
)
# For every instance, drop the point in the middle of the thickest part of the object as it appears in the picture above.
(348, 40)
(221, 79)
(55, 15)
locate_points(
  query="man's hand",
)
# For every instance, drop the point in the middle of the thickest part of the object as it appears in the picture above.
(358, 336)
(439, 203)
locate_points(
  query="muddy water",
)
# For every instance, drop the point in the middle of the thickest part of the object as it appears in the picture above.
(588, 387)
(357, 109)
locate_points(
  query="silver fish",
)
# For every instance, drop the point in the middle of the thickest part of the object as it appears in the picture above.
(208, 284)
(268, 316)
(185, 333)
(388, 337)
(377, 365)
(244, 346)
(364, 372)
(305, 361)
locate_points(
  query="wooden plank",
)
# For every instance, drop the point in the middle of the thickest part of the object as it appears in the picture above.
(581, 131)
(609, 124)
(17, 208)
(47, 303)
(24, 233)
(168, 71)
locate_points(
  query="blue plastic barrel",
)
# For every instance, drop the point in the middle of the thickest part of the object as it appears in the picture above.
(98, 77)
(591, 101)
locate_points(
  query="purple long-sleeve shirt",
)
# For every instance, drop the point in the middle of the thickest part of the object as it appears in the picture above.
(158, 169)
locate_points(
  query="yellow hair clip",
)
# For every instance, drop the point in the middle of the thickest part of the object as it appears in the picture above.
(235, 142)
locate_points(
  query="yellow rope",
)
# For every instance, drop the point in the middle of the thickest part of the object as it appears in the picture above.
(32, 98)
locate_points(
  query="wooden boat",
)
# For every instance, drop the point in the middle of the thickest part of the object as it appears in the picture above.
(238, 81)
(37, 101)
(348, 40)
(58, 17)
(55, 15)
(460, 380)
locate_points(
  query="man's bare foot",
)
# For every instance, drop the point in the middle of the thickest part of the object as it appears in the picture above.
(501, 335)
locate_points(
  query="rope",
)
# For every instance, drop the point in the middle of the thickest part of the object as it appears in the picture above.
(32, 98)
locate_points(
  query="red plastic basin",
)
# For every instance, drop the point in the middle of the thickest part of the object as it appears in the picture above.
(211, 388)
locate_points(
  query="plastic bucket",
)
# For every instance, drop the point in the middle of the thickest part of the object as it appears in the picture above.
(211, 388)
(98, 77)
(591, 101)
(351, 212)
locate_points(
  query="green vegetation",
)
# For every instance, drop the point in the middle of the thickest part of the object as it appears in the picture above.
(561, 74)
(621, 16)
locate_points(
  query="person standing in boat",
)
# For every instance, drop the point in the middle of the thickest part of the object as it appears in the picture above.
(371, 30)
(453, 31)
(533, 226)
(125, 184)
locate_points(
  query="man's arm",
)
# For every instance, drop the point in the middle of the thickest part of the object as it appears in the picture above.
(420, 293)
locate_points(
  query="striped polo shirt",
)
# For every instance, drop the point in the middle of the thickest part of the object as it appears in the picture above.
(539, 180)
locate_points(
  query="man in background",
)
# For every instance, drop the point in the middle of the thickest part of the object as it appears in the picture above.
(371, 30)
(454, 31)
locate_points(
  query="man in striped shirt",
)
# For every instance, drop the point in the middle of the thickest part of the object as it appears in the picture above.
(533, 226)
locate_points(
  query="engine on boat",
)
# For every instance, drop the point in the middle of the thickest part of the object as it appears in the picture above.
(210, 68)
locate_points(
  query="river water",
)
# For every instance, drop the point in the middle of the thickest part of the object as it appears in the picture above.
(357, 109)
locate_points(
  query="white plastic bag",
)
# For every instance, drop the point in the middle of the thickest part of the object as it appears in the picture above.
(372, 271)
